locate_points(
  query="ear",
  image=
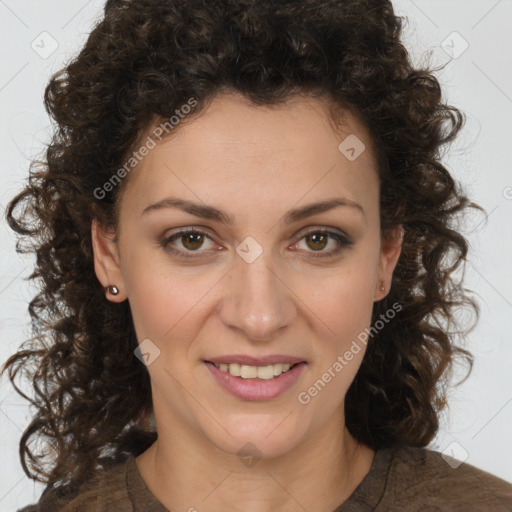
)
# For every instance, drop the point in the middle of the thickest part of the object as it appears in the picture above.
(106, 261)
(391, 247)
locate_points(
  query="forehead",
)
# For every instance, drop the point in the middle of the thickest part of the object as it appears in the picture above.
(232, 118)
(290, 149)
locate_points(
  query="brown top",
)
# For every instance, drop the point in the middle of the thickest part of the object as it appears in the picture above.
(403, 478)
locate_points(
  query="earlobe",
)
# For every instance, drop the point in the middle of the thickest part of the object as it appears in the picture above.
(391, 248)
(106, 262)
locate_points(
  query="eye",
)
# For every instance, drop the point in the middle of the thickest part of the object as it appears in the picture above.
(317, 240)
(187, 241)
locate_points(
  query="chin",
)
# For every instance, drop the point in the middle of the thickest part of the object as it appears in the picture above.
(269, 437)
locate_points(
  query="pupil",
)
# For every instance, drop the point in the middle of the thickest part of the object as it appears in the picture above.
(318, 238)
(194, 239)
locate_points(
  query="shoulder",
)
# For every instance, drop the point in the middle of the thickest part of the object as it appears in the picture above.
(439, 482)
(105, 491)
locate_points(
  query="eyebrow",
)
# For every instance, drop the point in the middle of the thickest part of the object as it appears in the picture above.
(209, 212)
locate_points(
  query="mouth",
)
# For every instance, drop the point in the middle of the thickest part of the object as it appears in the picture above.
(266, 372)
(256, 382)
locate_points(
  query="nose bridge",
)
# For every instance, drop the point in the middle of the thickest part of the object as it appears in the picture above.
(258, 302)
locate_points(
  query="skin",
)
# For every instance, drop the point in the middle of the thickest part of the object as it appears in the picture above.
(255, 164)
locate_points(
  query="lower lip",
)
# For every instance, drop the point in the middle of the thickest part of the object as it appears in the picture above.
(257, 389)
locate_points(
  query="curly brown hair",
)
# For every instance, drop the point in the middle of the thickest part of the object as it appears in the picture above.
(143, 60)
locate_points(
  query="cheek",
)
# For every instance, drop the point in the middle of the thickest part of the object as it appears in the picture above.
(165, 302)
(342, 301)
(342, 308)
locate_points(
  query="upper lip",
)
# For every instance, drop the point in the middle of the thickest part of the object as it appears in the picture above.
(255, 361)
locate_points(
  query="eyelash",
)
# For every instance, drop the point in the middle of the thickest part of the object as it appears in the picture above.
(342, 240)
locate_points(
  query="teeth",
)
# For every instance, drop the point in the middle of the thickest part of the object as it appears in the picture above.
(253, 372)
(248, 372)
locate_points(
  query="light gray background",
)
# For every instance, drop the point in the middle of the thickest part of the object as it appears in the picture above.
(478, 79)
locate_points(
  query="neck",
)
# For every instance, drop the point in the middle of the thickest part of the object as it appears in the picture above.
(185, 472)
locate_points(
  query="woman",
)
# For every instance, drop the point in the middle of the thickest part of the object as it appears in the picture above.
(246, 250)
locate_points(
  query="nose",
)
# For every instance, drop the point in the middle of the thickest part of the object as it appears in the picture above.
(257, 301)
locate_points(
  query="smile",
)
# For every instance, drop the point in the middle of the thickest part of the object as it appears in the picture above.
(254, 372)
(256, 382)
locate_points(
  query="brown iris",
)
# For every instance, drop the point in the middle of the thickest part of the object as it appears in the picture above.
(318, 238)
(192, 241)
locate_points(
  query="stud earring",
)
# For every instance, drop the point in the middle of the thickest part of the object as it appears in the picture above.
(114, 290)
(382, 288)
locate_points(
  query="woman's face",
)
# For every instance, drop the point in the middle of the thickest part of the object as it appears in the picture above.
(262, 275)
